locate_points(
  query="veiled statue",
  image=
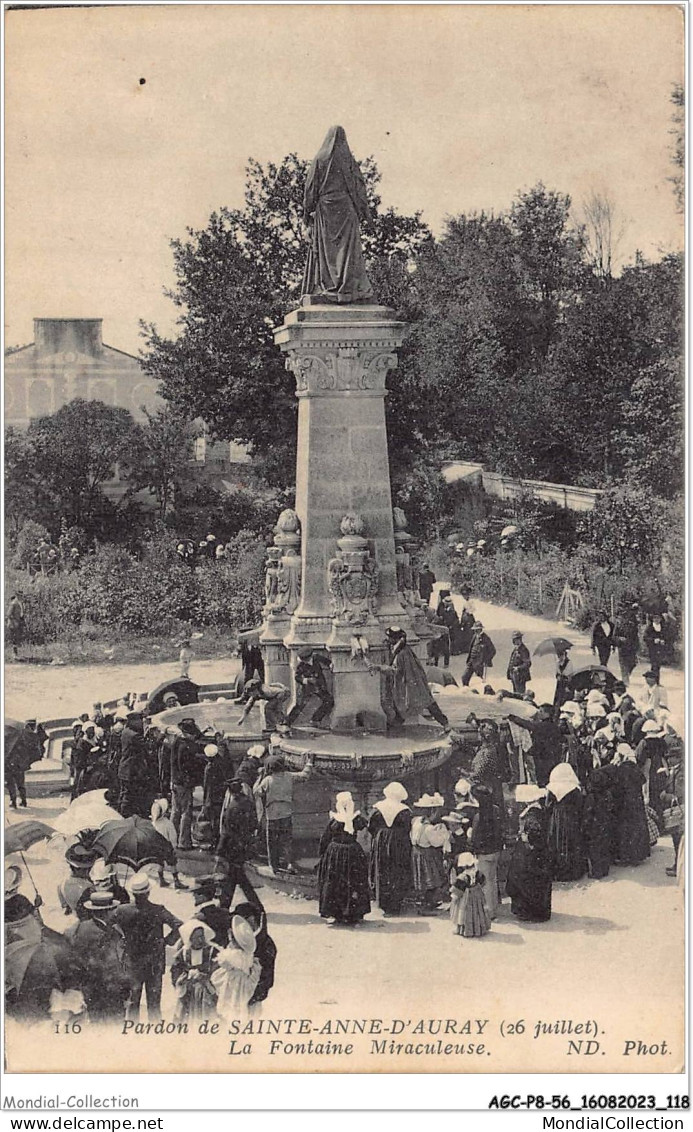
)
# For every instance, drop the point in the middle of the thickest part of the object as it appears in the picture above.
(334, 204)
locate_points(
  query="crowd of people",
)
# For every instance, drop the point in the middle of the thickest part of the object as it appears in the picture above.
(564, 791)
(553, 797)
(114, 952)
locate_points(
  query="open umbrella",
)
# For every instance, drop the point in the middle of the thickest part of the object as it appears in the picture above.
(24, 834)
(552, 645)
(13, 731)
(134, 842)
(34, 968)
(181, 686)
(26, 743)
(582, 677)
(77, 818)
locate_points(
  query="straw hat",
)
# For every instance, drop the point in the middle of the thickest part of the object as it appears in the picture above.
(139, 884)
(429, 801)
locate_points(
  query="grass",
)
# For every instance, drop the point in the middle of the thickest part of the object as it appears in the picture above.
(107, 649)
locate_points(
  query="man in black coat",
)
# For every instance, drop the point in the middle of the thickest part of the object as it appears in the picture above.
(480, 656)
(238, 828)
(143, 926)
(603, 637)
(426, 582)
(627, 638)
(547, 741)
(187, 768)
(133, 774)
(519, 665)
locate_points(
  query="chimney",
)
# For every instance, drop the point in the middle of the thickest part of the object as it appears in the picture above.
(68, 335)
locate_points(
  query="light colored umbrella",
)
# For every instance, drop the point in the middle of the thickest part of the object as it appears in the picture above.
(90, 798)
(77, 818)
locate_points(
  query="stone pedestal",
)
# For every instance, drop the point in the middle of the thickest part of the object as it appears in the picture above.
(340, 357)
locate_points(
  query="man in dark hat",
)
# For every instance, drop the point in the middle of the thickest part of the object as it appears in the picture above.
(275, 791)
(272, 697)
(187, 771)
(310, 681)
(481, 653)
(626, 636)
(547, 741)
(236, 840)
(603, 637)
(519, 665)
(405, 689)
(133, 770)
(426, 582)
(251, 659)
(208, 910)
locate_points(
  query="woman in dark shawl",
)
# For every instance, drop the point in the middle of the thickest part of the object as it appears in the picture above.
(334, 202)
(390, 864)
(631, 837)
(565, 838)
(530, 870)
(598, 822)
(265, 948)
(343, 869)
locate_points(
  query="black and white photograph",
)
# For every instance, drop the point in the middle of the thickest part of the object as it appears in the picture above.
(344, 539)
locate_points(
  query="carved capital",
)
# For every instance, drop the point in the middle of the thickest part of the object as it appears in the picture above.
(341, 368)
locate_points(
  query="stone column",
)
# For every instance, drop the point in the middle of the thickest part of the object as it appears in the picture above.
(340, 357)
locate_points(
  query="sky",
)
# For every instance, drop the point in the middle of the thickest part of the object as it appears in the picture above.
(462, 106)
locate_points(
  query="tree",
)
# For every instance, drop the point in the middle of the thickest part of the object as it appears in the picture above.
(26, 494)
(235, 280)
(77, 450)
(164, 455)
(602, 232)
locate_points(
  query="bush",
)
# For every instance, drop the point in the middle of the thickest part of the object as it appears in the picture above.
(115, 592)
(28, 539)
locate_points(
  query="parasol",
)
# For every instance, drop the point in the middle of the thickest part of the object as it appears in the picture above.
(134, 842)
(181, 686)
(13, 730)
(17, 738)
(24, 834)
(79, 817)
(582, 677)
(552, 645)
(35, 967)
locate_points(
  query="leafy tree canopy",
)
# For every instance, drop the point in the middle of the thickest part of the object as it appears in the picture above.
(235, 280)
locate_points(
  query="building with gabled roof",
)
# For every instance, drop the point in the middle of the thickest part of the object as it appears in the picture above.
(68, 358)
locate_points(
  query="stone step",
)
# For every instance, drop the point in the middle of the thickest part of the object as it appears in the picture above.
(46, 778)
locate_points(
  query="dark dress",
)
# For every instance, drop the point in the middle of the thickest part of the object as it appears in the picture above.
(631, 838)
(343, 874)
(530, 874)
(598, 822)
(390, 864)
(565, 838)
(265, 953)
